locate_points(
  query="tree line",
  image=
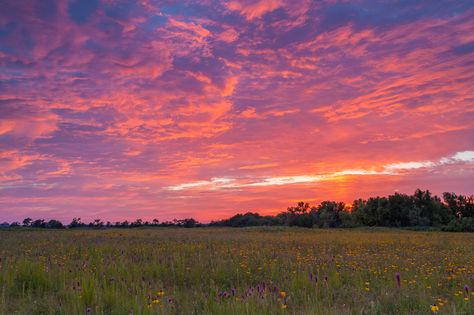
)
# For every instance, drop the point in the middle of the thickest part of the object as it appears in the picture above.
(98, 223)
(421, 210)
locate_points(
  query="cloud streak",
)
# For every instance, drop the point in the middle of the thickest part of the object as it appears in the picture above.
(390, 169)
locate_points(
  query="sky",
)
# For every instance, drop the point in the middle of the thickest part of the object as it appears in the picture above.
(119, 109)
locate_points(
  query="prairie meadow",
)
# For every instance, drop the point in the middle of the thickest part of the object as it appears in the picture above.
(275, 270)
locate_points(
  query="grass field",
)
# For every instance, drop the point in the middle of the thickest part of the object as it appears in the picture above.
(235, 271)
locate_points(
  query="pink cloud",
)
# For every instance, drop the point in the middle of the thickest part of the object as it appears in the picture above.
(254, 9)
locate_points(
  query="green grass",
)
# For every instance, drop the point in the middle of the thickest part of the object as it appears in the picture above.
(261, 271)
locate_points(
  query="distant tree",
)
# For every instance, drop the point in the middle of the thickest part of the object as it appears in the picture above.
(15, 224)
(459, 206)
(301, 208)
(347, 219)
(40, 223)
(187, 223)
(360, 213)
(330, 213)
(432, 211)
(27, 221)
(137, 223)
(54, 224)
(155, 222)
(399, 206)
(75, 223)
(299, 215)
(98, 223)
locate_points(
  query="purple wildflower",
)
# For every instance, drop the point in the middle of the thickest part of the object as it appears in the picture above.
(88, 310)
(397, 277)
(466, 289)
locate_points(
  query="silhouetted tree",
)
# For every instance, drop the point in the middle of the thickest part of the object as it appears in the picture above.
(75, 223)
(98, 223)
(459, 206)
(136, 223)
(54, 224)
(40, 223)
(27, 221)
(329, 214)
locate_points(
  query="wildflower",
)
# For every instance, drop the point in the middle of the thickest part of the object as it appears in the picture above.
(283, 294)
(161, 293)
(466, 289)
(434, 308)
(397, 277)
(88, 310)
(155, 301)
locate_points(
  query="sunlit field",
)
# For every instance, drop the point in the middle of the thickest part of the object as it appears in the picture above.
(235, 271)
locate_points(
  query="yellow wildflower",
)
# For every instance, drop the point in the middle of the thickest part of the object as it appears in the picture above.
(434, 308)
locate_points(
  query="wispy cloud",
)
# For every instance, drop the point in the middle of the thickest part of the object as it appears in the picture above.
(389, 169)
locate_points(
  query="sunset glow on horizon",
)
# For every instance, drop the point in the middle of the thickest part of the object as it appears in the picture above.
(119, 110)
